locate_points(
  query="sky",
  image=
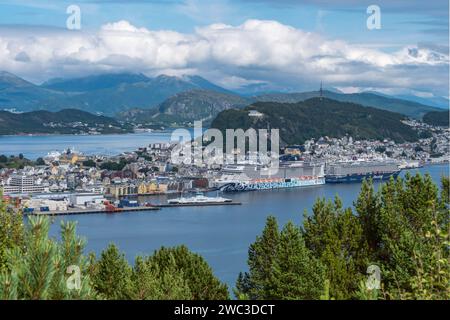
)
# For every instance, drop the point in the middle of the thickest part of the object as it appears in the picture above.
(287, 45)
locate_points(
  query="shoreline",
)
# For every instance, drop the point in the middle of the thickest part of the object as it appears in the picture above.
(76, 135)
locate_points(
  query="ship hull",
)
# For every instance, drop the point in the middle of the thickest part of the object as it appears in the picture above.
(360, 177)
(255, 186)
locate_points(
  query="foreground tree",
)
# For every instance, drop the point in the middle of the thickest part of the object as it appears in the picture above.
(152, 283)
(257, 284)
(111, 275)
(334, 235)
(413, 228)
(35, 266)
(296, 273)
(11, 231)
(170, 273)
(402, 229)
(42, 268)
(281, 267)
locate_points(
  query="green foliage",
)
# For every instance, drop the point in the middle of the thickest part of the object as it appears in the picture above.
(34, 266)
(296, 273)
(67, 121)
(280, 267)
(403, 228)
(315, 118)
(335, 236)
(38, 269)
(437, 118)
(14, 162)
(39, 162)
(114, 166)
(410, 211)
(151, 282)
(11, 231)
(170, 273)
(111, 275)
(367, 99)
(89, 163)
(196, 272)
(256, 283)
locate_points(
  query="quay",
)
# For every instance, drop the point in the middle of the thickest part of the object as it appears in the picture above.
(168, 205)
(90, 211)
(125, 209)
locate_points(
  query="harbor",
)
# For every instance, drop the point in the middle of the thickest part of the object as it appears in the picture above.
(129, 209)
(220, 233)
(94, 204)
(89, 211)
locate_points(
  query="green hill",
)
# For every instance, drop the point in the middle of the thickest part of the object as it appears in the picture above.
(315, 118)
(408, 108)
(68, 121)
(437, 118)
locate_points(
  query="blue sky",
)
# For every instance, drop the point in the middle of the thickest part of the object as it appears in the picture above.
(413, 36)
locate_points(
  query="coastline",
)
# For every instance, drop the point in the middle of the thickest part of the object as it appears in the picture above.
(78, 134)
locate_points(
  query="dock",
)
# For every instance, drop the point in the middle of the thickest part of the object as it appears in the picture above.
(90, 211)
(127, 209)
(168, 205)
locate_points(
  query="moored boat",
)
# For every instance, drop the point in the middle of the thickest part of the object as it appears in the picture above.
(199, 199)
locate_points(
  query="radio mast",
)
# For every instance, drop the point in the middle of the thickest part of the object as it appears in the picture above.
(321, 91)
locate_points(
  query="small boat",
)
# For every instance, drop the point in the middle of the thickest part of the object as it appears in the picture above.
(199, 199)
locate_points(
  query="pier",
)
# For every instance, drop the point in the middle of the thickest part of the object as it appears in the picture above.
(168, 205)
(126, 209)
(90, 211)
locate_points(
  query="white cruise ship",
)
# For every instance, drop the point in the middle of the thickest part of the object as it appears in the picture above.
(236, 178)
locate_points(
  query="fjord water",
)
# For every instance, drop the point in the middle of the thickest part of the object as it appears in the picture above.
(34, 146)
(221, 234)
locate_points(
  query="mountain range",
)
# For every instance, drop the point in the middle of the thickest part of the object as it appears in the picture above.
(165, 98)
(186, 107)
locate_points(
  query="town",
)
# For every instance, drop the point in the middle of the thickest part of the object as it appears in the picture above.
(70, 180)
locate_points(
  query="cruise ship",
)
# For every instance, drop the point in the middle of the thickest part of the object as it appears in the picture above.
(247, 177)
(357, 171)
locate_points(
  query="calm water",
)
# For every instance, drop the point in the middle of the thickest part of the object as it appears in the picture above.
(220, 234)
(33, 147)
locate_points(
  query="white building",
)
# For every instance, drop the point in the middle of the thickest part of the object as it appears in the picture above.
(84, 199)
(22, 184)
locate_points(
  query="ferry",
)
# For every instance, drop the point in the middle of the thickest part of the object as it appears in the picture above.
(199, 199)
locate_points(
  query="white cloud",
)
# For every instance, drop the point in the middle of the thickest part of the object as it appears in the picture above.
(256, 51)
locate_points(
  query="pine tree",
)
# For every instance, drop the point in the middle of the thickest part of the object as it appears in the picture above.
(195, 272)
(296, 273)
(38, 270)
(408, 208)
(111, 276)
(367, 208)
(256, 283)
(335, 236)
(11, 231)
(149, 283)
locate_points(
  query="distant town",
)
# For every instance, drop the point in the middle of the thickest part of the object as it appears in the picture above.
(69, 180)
